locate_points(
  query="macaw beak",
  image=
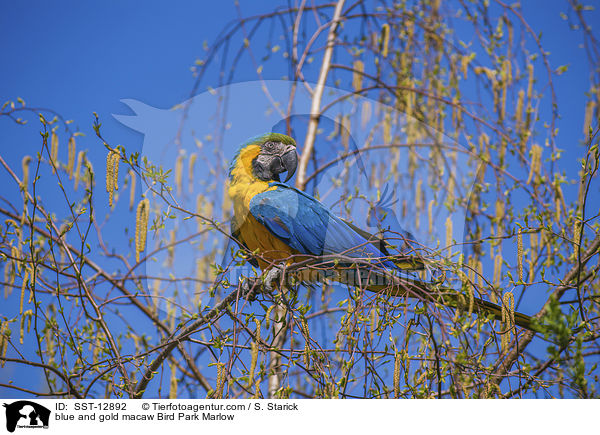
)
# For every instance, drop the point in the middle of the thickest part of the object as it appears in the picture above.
(290, 162)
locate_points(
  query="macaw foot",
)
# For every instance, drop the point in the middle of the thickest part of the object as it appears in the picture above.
(273, 275)
(251, 287)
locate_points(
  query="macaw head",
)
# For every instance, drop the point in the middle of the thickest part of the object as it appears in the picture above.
(267, 156)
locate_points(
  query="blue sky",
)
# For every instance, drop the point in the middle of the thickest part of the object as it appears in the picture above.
(80, 57)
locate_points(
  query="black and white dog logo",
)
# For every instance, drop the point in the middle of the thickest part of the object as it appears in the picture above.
(26, 414)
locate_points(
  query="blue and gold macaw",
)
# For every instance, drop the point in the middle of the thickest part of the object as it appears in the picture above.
(283, 224)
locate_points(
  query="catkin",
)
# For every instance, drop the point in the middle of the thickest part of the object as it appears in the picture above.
(336, 126)
(80, 156)
(109, 178)
(534, 242)
(54, 150)
(191, 167)
(173, 386)
(9, 278)
(466, 284)
(456, 112)
(430, 215)
(25, 316)
(227, 202)
(576, 237)
(171, 248)
(374, 322)
(387, 128)
(254, 353)
(530, 81)
(257, 330)
(506, 80)
(497, 269)
(25, 182)
(200, 210)
(156, 294)
(418, 203)
(410, 103)
(546, 243)
(220, 381)
(497, 275)
(141, 227)
(499, 216)
(519, 110)
(345, 131)
(419, 195)
(464, 64)
(357, 75)
(559, 199)
(112, 174)
(484, 141)
(50, 352)
(520, 255)
(171, 314)
(504, 332)
(97, 346)
(89, 173)
(507, 71)
(448, 231)
(179, 174)
(472, 271)
(589, 114)
(16, 253)
(132, 189)
(305, 333)
(529, 109)
(508, 319)
(116, 160)
(71, 157)
(200, 276)
(502, 150)
(536, 162)
(531, 275)
(253, 361)
(450, 200)
(29, 315)
(365, 115)
(3, 342)
(471, 288)
(305, 330)
(23, 287)
(397, 365)
(268, 316)
(385, 39)
(31, 283)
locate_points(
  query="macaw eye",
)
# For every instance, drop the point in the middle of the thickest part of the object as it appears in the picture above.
(269, 146)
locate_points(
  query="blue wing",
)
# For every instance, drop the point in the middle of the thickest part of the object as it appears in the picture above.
(307, 226)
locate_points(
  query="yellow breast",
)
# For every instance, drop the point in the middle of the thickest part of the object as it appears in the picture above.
(259, 239)
(242, 188)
